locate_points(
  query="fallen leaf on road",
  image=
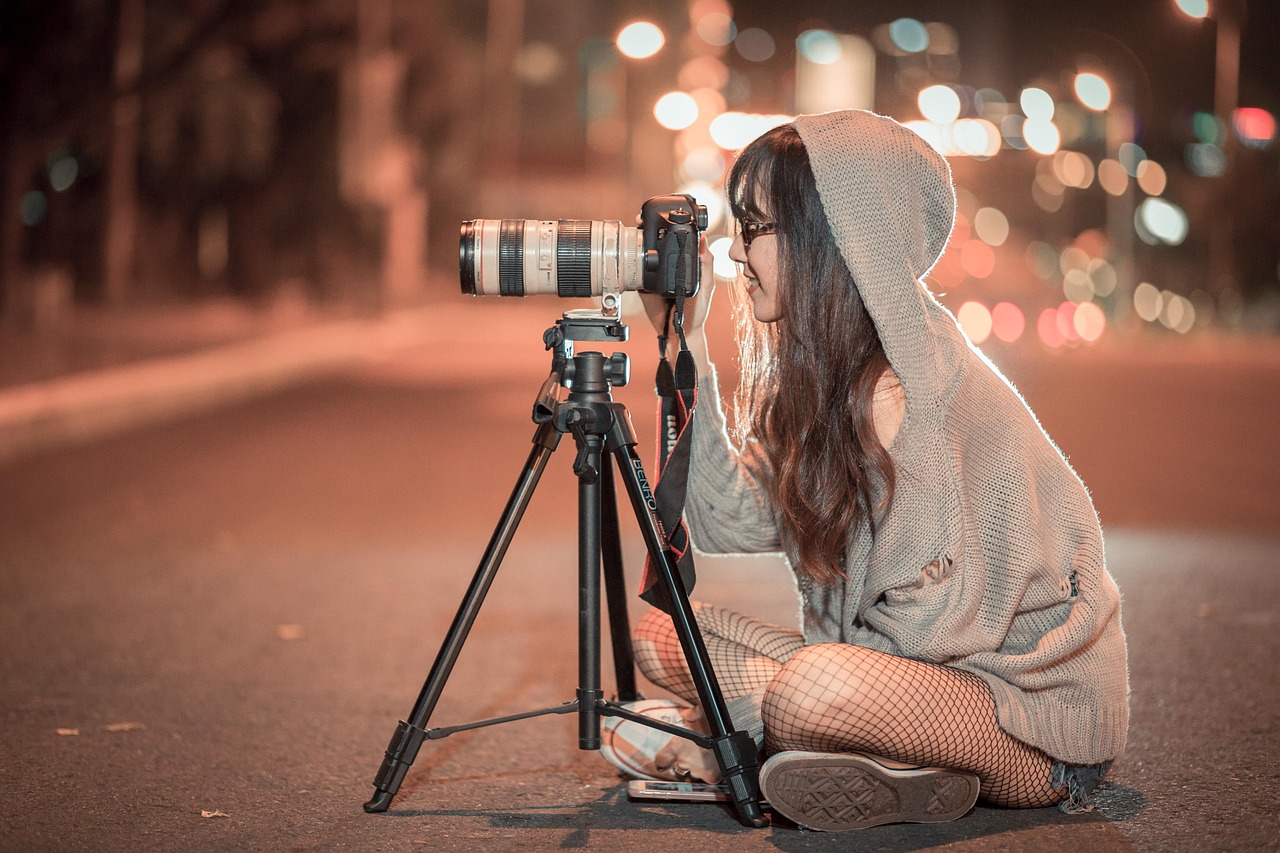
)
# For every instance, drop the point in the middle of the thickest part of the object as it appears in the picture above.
(214, 813)
(289, 632)
(68, 732)
(123, 727)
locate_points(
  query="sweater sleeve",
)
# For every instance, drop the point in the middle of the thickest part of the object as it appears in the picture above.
(726, 508)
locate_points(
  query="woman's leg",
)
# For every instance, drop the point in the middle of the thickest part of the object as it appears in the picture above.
(745, 653)
(835, 697)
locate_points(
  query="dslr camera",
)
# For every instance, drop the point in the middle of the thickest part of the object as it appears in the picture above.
(586, 257)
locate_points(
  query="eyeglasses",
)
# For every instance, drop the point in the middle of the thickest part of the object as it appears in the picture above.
(751, 230)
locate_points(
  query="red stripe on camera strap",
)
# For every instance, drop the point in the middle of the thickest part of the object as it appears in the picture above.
(677, 396)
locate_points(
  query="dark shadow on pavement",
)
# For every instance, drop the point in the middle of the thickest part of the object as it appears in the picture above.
(613, 811)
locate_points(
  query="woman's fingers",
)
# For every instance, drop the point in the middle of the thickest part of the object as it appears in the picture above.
(685, 761)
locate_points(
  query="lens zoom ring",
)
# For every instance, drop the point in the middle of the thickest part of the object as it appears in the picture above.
(573, 258)
(511, 258)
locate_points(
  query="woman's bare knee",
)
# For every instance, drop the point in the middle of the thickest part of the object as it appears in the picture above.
(812, 692)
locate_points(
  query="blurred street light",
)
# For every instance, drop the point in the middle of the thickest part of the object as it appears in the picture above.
(1093, 91)
(640, 40)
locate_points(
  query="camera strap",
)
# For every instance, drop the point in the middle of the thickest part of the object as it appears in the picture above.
(677, 390)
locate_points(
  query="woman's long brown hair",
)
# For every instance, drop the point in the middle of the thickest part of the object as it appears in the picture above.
(808, 380)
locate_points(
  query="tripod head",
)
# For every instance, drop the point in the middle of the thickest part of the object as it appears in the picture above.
(588, 373)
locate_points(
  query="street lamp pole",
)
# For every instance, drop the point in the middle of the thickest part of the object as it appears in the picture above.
(1228, 17)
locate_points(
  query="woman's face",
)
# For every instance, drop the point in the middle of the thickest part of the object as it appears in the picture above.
(756, 248)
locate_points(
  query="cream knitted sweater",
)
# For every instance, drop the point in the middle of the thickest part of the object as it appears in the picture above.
(990, 558)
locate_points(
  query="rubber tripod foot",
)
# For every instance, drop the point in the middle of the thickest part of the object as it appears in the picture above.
(380, 803)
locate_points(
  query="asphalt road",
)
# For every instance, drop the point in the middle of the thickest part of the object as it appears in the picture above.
(227, 614)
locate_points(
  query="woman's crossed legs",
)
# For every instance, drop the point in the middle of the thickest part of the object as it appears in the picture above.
(834, 697)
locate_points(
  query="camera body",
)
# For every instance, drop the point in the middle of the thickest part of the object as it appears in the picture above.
(671, 227)
(586, 257)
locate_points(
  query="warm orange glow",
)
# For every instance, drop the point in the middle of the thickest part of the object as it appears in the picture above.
(1089, 321)
(1047, 328)
(1066, 321)
(978, 259)
(1007, 322)
(975, 319)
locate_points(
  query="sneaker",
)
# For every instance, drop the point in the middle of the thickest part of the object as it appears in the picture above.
(631, 746)
(837, 791)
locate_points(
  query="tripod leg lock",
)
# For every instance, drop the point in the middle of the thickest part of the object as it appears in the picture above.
(739, 762)
(401, 752)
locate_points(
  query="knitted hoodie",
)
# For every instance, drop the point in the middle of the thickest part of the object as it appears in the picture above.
(990, 558)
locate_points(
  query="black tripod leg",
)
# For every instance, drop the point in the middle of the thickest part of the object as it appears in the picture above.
(409, 735)
(615, 589)
(589, 692)
(735, 751)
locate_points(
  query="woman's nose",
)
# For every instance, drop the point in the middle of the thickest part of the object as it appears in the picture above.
(738, 250)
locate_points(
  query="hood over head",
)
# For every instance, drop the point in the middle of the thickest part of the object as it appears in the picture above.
(890, 203)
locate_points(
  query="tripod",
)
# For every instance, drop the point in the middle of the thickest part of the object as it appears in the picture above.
(597, 424)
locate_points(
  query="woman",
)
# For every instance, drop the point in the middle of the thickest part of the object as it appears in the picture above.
(961, 634)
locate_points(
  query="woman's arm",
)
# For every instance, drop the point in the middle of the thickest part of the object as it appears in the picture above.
(726, 505)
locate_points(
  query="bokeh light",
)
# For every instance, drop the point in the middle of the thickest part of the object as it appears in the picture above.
(1066, 322)
(1194, 8)
(820, 46)
(1036, 104)
(1151, 177)
(1089, 321)
(63, 173)
(991, 226)
(1147, 301)
(976, 137)
(733, 130)
(1073, 169)
(716, 28)
(1048, 330)
(975, 319)
(754, 45)
(1206, 128)
(1163, 219)
(1113, 177)
(1077, 286)
(640, 40)
(1007, 322)
(722, 265)
(1131, 156)
(1093, 91)
(1177, 313)
(977, 258)
(1206, 159)
(1041, 135)
(1254, 126)
(939, 104)
(909, 35)
(676, 110)
(1102, 275)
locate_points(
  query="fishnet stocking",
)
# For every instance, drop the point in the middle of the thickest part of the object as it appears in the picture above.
(746, 653)
(835, 697)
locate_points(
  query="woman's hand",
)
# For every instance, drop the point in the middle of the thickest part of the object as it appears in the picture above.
(685, 761)
(695, 307)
